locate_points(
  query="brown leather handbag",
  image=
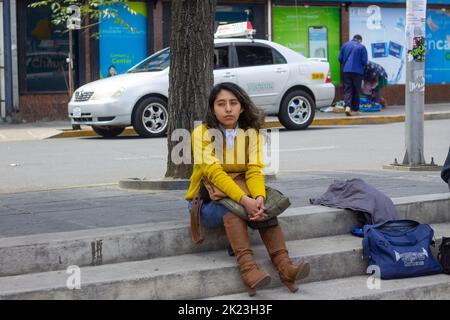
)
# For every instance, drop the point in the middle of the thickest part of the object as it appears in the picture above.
(216, 194)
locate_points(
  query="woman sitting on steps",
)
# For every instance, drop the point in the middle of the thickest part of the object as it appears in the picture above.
(230, 112)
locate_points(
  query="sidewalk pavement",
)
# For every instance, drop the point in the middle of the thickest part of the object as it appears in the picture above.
(63, 129)
(27, 213)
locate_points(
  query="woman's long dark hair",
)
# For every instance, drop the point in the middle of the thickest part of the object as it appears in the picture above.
(251, 117)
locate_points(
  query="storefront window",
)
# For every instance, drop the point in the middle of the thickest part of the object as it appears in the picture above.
(226, 14)
(384, 38)
(383, 33)
(46, 53)
(311, 31)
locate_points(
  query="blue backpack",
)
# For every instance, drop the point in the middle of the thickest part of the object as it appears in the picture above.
(401, 249)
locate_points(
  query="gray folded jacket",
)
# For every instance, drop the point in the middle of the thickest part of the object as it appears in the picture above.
(357, 195)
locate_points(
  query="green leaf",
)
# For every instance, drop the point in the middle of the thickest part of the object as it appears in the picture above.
(55, 6)
(89, 8)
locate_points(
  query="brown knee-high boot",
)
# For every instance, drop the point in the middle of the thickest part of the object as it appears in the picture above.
(273, 239)
(237, 232)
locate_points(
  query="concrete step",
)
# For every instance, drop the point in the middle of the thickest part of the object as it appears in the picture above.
(191, 276)
(434, 287)
(57, 251)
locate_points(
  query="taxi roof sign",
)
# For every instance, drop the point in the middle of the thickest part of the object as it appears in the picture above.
(240, 29)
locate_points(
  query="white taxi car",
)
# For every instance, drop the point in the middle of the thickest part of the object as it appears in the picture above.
(279, 80)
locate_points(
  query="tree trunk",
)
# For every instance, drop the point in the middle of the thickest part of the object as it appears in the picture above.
(191, 71)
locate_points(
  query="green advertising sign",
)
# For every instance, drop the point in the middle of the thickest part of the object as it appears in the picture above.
(311, 31)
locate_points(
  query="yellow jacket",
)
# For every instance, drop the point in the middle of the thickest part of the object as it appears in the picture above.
(212, 163)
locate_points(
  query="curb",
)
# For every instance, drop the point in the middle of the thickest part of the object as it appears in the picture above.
(405, 167)
(165, 183)
(341, 121)
(358, 120)
(88, 133)
(142, 184)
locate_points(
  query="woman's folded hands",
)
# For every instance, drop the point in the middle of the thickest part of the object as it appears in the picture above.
(255, 207)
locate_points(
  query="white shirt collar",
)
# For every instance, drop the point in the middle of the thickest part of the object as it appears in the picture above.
(230, 134)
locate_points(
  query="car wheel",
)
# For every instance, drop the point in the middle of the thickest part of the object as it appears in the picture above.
(108, 131)
(151, 118)
(297, 110)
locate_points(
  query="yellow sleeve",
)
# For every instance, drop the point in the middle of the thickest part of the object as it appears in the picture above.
(209, 164)
(255, 167)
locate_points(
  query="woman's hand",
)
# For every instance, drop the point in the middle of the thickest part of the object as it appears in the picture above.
(255, 208)
(261, 214)
(260, 201)
(250, 205)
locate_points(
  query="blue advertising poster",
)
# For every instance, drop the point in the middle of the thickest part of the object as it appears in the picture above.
(383, 33)
(437, 59)
(395, 49)
(379, 50)
(120, 48)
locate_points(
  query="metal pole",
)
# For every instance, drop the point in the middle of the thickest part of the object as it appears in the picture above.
(415, 82)
(14, 63)
(73, 22)
(70, 65)
(2, 69)
(8, 60)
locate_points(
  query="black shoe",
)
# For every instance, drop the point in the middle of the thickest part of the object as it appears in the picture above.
(230, 250)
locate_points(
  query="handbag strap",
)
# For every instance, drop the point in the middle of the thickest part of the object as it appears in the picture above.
(196, 222)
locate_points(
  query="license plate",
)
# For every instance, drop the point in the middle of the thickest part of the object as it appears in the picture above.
(318, 76)
(77, 112)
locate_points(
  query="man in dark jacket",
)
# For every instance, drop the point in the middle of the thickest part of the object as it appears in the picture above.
(353, 58)
(445, 173)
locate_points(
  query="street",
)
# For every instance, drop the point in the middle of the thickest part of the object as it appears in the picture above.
(74, 162)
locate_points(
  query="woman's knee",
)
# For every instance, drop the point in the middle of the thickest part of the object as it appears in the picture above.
(212, 214)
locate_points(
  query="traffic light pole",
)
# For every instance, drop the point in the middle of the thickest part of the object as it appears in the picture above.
(70, 64)
(73, 23)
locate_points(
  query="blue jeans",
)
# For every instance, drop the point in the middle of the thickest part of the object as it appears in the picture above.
(211, 214)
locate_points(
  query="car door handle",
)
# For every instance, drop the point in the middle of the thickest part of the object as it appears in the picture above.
(280, 70)
(229, 75)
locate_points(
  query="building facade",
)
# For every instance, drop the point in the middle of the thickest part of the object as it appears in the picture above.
(315, 28)
(2, 67)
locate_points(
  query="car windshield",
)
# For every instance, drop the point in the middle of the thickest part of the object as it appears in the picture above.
(156, 62)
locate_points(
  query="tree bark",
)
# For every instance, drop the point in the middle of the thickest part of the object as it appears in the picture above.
(191, 71)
